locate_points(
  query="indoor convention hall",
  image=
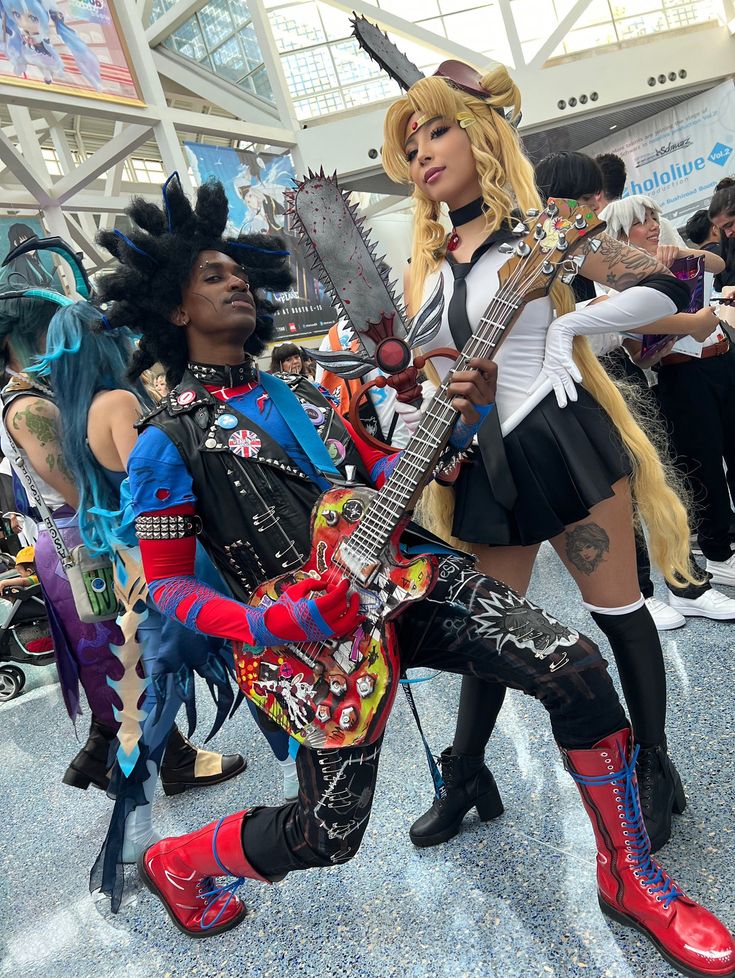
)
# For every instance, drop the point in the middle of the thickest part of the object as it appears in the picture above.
(367, 488)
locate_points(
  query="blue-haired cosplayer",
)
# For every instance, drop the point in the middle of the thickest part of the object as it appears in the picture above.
(85, 360)
(27, 32)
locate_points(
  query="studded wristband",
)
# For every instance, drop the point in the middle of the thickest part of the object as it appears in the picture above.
(167, 527)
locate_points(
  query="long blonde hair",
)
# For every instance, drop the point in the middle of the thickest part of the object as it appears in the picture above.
(507, 181)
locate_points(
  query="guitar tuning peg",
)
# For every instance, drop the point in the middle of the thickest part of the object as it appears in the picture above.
(532, 213)
(579, 222)
(539, 233)
(506, 248)
(547, 268)
(552, 209)
(522, 249)
(595, 244)
(562, 244)
(520, 228)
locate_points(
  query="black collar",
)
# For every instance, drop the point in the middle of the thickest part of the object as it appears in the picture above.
(463, 215)
(225, 375)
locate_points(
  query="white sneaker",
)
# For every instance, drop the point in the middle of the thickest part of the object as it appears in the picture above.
(711, 604)
(722, 571)
(664, 617)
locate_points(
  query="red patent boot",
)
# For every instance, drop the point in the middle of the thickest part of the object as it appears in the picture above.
(181, 871)
(632, 888)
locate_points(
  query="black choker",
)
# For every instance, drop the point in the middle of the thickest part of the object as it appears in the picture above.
(228, 376)
(463, 215)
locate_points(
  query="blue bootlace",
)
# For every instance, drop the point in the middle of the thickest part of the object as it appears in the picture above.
(645, 869)
(217, 891)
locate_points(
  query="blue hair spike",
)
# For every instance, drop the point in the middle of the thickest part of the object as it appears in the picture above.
(262, 251)
(164, 188)
(38, 293)
(131, 244)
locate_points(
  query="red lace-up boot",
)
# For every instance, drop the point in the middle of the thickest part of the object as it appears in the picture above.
(181, 872)
(632, 888)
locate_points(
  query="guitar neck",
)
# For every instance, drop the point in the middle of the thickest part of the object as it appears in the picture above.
(420, 456)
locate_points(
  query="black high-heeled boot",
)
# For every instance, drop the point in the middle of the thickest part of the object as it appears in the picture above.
(186, 766)
(90, 765)
(467, 783)
(661, 793)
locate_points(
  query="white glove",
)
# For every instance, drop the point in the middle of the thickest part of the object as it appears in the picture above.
(631, 309)
(409, 415)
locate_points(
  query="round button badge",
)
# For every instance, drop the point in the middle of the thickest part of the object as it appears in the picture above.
(226, 421)
(244, 443)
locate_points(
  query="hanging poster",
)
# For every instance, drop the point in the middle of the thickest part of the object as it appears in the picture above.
(73, 47)
(255, 185)
(34, 270)
(678, 156)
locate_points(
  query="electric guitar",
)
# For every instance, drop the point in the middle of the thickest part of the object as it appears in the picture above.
(339, 693)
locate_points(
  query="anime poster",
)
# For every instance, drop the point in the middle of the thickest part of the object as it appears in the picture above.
(69, 46)
(255, 184)
(35, 270)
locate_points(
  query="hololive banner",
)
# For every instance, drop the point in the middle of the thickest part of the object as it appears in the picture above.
(678, 156)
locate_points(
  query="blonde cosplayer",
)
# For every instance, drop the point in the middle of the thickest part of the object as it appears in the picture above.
(507, 182)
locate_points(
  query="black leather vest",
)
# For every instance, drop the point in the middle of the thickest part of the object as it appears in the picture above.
(255, 510)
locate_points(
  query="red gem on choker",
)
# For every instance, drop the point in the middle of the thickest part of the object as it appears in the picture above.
(453, 242)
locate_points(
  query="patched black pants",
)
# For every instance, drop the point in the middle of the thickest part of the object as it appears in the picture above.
(470, 625)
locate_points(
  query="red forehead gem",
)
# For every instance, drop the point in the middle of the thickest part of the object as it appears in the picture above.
(414, 125)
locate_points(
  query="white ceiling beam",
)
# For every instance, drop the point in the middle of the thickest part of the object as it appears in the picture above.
(76, 104)
(149, 80)
(558, 34)
(272, 62)
(216, 90)
(35, 182)
(100, 162)
(160, 29)
(405, 28)
(113, 184)
(80, 234)
(27, 139)
(382, 206)
(217, 125)
(511, 32)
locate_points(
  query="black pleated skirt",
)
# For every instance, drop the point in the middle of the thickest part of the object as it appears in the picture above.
(563, 460)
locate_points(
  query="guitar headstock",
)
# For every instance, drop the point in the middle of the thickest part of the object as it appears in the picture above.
(545, 247)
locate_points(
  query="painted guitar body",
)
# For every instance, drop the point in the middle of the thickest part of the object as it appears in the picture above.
(337, 693)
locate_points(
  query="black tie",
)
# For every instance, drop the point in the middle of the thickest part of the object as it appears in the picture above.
(489, 437)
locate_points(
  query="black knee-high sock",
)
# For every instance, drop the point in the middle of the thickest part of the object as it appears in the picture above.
(479, 705)
(637, 649)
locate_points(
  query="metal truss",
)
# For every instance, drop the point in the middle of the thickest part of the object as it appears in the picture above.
(89, 191)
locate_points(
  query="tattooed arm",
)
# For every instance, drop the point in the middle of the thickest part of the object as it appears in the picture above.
(617, 265)
(34, 424)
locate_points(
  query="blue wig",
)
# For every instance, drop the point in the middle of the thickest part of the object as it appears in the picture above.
(82, 359)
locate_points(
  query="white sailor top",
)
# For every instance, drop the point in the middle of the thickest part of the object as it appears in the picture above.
(521, 355)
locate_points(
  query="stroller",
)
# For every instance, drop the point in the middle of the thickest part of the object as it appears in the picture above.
(25, 637)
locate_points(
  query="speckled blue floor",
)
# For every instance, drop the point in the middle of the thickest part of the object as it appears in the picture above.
(513, 898)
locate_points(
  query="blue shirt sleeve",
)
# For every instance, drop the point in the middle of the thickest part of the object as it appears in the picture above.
(157, 474)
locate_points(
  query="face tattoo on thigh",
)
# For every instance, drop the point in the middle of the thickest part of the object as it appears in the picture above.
(587, 547)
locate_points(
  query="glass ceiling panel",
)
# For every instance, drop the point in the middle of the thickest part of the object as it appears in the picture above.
(221, 39)
(326, 72)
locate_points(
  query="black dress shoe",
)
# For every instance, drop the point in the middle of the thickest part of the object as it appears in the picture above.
(661, 793)
(186, 766)
(90, 766)
(467, 783)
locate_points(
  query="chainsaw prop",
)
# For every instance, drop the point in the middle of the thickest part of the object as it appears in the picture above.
(360, 288)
